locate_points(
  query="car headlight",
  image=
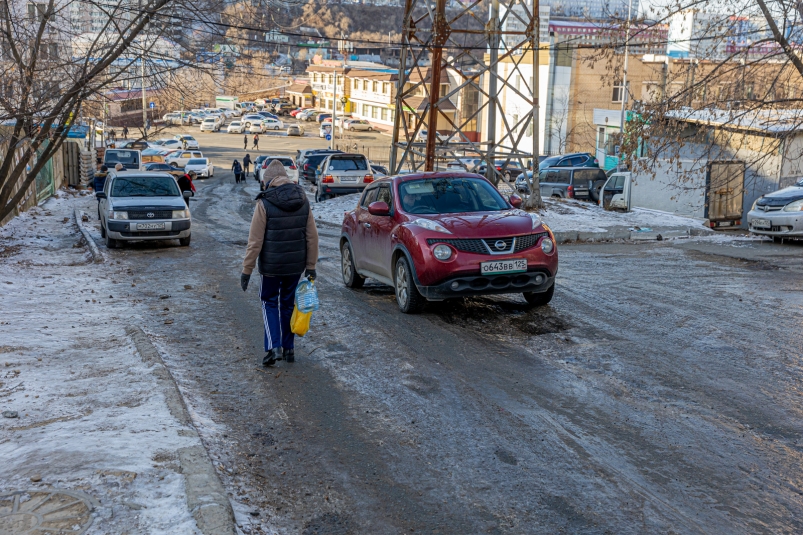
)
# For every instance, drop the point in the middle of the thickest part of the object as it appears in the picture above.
(796, 206)
(547, 245)
(442, 252)
(430, 225)
(755, 203)
(536, 220)
(181, 214)
(118, 215)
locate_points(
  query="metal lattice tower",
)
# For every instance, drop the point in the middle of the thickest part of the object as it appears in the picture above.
(467, 51)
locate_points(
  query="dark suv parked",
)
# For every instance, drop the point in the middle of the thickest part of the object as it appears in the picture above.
(577, 159)
(308, 164)
(568, 183)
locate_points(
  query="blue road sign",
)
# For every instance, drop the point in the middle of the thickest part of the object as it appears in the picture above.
(328, 137)
(152, 105)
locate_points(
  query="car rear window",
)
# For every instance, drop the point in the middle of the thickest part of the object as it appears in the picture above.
(287, 162)
(150, 186)
(348, 163)
(197, 161)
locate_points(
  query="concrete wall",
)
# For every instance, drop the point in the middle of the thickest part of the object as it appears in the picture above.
(678, 188)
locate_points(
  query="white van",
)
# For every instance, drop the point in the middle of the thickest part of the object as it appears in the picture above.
(131, 159)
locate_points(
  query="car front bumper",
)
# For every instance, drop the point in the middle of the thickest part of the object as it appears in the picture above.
(127, 230)
(538, 280)
(781, 223)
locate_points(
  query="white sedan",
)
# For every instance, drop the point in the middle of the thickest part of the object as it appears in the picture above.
(202, 166)
(187, 141)
(235, 127)
(272, 124)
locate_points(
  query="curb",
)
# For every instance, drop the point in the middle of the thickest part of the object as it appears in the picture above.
(206, 497)
(569, 236)
(97, 256)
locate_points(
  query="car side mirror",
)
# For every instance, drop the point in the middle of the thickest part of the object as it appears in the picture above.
(100, 195)
(515, 201)
(379, 208)
(186, 194)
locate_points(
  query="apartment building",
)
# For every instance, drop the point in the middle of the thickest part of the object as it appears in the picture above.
(644, 39)
(373, 96)
(327, 81)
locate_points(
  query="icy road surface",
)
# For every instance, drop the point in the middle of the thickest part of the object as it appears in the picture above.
(659, 393)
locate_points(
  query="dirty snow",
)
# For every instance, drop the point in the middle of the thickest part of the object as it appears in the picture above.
(561, 215)
(92, 417)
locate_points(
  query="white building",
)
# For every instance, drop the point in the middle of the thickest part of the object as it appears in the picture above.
(372, 96)
(591, 9)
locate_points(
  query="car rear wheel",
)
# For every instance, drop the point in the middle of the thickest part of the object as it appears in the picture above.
(370, 129)
(184, 242)
(408, 298)
(351, 278)
(540, 299)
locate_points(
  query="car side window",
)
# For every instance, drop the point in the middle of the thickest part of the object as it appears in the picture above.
(544, 176)
(564, 177)
(567, 162)
(369, 197)
(384, 195)
(619, 183)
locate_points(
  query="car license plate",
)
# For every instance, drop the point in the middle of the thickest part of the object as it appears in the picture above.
(517, 265)
(348, 179)
(763, 223)
(150, 226)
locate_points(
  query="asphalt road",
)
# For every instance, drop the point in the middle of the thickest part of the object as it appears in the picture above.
(658, 393)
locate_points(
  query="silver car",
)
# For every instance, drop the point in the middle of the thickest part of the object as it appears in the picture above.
(143, 206)
(342, 173)
(778, 214)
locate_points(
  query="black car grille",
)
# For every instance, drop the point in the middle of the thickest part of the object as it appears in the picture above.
(151, 234)
(477, 246)
(157, 214)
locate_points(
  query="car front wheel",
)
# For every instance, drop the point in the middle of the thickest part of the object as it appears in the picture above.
(351, 278)
(184, 242)
(408, 298)
(541, 298)
(111, 243)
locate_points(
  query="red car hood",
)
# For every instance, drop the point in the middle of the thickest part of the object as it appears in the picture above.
(485, 224)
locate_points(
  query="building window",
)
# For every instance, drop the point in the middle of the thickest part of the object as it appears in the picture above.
(314, 77)
(385, 88)
(374, 112)
(385, 114)
(365, 85)
(375, 87)
(619, 92)
(36, 11)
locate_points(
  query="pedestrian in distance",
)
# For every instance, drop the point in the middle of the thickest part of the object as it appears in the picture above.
(238, 171)
(282, 244)
(245, 142)
(125, 132)
(185, 184)
(247, 164)
(256, 142)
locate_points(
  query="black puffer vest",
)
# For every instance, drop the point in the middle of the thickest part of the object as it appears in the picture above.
(284, 247)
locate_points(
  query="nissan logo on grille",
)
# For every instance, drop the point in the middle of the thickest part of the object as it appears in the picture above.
(500, 244)
(150, 214)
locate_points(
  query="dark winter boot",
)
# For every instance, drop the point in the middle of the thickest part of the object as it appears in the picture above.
(289, 355)
(270, 358)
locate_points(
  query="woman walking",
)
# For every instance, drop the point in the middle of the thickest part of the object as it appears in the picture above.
(256, 142)
(245, 141)
(238, 172)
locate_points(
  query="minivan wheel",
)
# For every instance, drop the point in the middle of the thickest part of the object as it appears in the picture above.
(351, 278)
(111, 243)
(540, 299)
(408, 298)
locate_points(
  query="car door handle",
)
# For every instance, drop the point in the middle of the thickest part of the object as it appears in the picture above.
(367, 225)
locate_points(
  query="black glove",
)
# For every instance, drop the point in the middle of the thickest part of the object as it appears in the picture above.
(244, 281)
(311, 274)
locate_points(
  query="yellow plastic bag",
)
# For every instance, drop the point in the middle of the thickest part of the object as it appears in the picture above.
(299, 321)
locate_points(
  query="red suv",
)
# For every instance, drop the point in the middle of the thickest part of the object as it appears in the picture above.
(433, 236)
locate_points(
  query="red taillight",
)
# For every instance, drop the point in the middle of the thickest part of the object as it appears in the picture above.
(292, 167)
(570, 191)
(368, 178)
(328, 179)
(306, 167)
(498, 167)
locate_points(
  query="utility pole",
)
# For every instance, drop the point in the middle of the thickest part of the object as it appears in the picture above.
(493, 92)
(624, 86)
(144, 99)
(334, 111)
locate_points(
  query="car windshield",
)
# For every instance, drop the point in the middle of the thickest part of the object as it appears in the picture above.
(353, 163)
(197, 161)
(144, 186)
(443, 196)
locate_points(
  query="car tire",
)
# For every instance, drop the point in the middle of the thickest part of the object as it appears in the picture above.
(173, 164)
(507, 176)
(185, 242)
(351, 278)
(102, 230)
(370, 129)
(408, 298)
(594, 193)
(777, 239)
(111, 243)
(319, 197)
(539, 299)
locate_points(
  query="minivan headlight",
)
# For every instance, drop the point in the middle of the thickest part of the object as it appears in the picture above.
(181, 214)
(796, 206)
(118, 215)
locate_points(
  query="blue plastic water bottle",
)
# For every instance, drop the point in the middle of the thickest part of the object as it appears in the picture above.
(307, 296)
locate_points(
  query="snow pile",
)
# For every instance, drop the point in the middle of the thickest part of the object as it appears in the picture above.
(82, 410)
(570, 215)
(331, 211)
(561, 215)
